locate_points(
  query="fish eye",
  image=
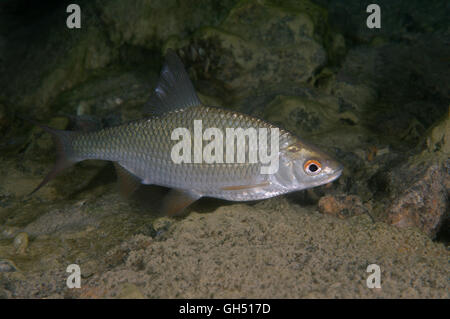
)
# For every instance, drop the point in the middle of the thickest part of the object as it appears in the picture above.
(312, 167)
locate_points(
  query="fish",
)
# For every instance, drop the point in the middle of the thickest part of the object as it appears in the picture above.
(143, 150)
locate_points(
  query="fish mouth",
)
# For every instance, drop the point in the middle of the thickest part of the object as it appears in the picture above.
(332, 177)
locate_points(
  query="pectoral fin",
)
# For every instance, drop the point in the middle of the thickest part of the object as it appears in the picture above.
(128, 182)
(177, 200)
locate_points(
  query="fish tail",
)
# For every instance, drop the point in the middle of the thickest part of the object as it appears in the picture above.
(64, 153)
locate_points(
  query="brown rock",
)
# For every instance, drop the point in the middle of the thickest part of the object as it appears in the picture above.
(341, 206)
(21, 243)
(424, 204)
(419, 188)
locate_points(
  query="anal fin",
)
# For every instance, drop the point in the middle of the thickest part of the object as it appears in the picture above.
(128, 182)
(177, 200)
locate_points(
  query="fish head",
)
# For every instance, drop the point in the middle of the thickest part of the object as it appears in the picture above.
(303, 165)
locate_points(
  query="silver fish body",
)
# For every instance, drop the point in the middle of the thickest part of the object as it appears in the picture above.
(142, 150)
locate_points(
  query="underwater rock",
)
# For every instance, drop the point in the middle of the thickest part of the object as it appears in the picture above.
(424, 204)
(155, 21)
(354, 84)
(58, 59)
(438, 139)
(113, 97)
(389, 85)
(299, 115)
(7, 266)
(421, 186)
(399, 21)
(251, 48)
(21, 243)
(342, 206)
(8, 231)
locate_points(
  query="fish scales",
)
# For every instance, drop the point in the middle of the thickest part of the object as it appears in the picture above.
(144, 148)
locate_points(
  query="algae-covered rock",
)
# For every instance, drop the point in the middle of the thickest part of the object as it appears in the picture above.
(397, 19)
(257, 44)
(21, 242)
(438, 139)
(424, 204)
(111, 32)
(301, 116)
(144, 23)
(421, 188)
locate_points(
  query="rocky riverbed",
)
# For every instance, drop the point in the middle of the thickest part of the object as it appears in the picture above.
(377, 100)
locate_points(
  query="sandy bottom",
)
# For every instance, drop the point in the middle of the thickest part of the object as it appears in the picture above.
(271, 249)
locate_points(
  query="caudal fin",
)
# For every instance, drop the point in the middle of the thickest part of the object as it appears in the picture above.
(64, 159)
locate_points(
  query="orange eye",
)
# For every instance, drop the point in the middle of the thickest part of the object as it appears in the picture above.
(312, 167)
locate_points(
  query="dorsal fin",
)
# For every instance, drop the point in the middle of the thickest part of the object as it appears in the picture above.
(174, 90)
